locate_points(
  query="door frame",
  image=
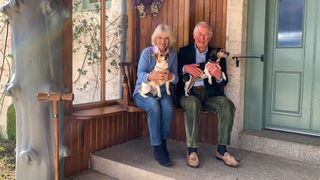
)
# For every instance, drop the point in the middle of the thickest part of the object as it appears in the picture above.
(255, 70)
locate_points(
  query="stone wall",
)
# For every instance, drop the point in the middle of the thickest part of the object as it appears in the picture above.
(236, 45)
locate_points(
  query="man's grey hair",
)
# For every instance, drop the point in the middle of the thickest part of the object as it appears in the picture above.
(202, 24)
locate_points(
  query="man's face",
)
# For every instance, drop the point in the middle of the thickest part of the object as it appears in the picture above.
(202, 38)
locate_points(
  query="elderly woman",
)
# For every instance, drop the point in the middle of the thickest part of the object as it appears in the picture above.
(159, 110)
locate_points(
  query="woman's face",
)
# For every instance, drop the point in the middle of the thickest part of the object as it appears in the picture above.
(202, 38)
(162, 42)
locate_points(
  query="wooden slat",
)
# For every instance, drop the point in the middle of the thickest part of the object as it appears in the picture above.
(170, 12)
(95, 112)
(81, 163)
(213, 21)
(94, 135)
(130, 32)
(67, 133)
(207, 11)
(87, 147)
(146, 32)
(118, 125)
(175, 22)
(186, 22)
(164, 13)
(219, 22)
(104, 133)
(199, 10)
(181, 20)
(67, 54)
(103, 39)
(137, 36)
(224, 24)
(192, 19)
(75, 145)
(100, 133)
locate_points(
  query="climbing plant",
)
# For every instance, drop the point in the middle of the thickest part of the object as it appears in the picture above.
(5, 63)
(87, 51)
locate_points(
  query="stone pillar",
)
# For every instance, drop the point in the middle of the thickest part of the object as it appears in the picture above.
(236, 45)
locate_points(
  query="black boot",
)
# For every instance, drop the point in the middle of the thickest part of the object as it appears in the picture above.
(160, 156)
(164, 147)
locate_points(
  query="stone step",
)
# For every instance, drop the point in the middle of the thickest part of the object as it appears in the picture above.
(287, 145)
(134, 160)
(90, 175)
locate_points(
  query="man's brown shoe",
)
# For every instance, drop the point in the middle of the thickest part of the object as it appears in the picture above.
(193, 160)
(227, 159)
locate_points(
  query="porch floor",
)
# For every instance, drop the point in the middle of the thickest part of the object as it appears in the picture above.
(134, 160)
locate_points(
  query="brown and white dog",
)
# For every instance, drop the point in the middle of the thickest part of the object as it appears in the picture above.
(153, 87)
(189, 79)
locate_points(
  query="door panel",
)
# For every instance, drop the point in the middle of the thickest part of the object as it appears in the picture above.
(291, 79)
(287, 93)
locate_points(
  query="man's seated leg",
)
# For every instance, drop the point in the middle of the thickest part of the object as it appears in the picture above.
(192, 105)
(225, 110)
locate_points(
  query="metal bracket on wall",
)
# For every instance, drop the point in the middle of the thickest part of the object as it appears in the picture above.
(246, 57)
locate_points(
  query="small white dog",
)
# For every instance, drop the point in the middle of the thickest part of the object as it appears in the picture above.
(189, 79)
(153, 87)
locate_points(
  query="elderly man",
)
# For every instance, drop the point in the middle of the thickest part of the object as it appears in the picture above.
(204, 96)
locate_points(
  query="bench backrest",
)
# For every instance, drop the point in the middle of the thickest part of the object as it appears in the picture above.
(129, 78)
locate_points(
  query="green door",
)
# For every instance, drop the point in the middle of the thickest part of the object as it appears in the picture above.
(292, 86)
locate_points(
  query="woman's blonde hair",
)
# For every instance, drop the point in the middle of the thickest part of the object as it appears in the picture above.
(163, 28)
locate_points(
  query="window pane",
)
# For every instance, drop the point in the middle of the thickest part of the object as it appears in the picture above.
(113, 20)
(290, 23)
(86, 54)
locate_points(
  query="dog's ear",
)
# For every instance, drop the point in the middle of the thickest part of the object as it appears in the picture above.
(213, 55)
(155, 55)
(167, 55)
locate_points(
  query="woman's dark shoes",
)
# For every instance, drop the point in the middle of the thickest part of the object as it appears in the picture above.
(164, 147)
(161, 157)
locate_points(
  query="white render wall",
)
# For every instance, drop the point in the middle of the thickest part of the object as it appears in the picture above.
(236, 45)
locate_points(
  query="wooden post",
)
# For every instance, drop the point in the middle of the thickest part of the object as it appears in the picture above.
(55, 98)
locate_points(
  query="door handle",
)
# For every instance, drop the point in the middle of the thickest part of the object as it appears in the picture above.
(261, 57)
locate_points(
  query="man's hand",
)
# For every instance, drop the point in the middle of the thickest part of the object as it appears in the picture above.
(159, 75)
(193, 69)
(215, 70)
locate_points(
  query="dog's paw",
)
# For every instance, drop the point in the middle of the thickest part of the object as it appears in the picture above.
(143, 95)
(210, 80)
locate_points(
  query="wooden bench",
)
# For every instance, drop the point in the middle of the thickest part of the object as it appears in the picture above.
(208, 123)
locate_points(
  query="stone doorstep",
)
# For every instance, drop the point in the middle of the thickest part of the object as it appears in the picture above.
(287, 145)
(134, 160)
(90, 175)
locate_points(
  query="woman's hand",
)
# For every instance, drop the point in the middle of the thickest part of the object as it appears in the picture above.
(159, 75)
(193, 69)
